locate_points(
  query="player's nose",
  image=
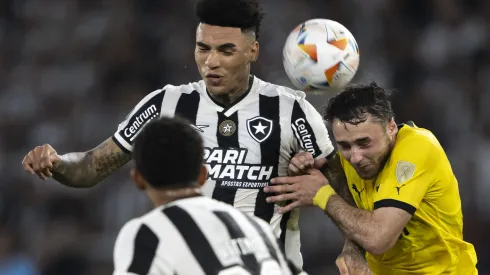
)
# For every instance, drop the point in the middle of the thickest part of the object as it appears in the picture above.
(356, 156)
(212, 60)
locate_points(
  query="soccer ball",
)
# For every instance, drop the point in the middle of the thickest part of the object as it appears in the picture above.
(320, 54)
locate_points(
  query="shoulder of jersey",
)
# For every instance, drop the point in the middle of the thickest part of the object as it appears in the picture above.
(420, 137)
(262, 87)
(198, 86)
(131, 227)
(270, 89)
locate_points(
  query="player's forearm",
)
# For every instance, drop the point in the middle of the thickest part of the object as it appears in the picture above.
(84, 170)
(77, 170)
(353, 248)
(335, 174)
(356, 224)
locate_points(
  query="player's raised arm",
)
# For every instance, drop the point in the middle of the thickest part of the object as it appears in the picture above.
(86, 169)
(91, 167)
(81, 169)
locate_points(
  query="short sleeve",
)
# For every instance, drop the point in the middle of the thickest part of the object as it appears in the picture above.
(409, 175)
(147, 109)
(309, 130)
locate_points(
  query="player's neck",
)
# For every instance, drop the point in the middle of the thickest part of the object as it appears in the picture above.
(162, 197)
(233, 96)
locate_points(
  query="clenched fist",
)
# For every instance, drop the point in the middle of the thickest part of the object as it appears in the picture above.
(41, 160)
(301, 162)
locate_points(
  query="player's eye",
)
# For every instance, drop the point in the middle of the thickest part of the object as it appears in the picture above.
(344, 146)
(227, 53)
(363, 142)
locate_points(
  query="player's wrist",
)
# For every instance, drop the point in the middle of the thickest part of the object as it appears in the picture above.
(323, 195)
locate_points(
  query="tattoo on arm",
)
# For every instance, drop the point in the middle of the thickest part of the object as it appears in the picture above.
(89, 168)
(107, 158)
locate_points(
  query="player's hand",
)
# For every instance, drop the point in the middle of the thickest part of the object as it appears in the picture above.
(352, 264)
(299, 189)
(303, 161)
(41, 161)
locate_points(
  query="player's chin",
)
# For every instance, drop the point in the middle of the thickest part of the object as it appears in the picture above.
(216, 90)
(367, 174)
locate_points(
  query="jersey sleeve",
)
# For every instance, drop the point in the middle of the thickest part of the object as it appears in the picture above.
(135, 251)
(411, 172)
(309, 130)
(147, 109)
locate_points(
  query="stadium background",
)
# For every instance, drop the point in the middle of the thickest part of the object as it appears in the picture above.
(71, 70)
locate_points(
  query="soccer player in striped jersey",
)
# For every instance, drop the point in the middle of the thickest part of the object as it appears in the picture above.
(250, 127)
(188, 233)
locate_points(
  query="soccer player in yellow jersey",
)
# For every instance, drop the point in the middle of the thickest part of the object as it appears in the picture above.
(409, 216)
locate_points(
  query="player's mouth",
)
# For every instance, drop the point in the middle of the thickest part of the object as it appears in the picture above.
(363, 167)
(214, 79)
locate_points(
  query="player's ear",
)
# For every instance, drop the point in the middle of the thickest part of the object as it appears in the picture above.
(254, 51)
(138, 180)
(203, 175)
(391, 127)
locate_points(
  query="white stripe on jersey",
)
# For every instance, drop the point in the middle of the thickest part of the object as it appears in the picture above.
(163, 249)
(234, 177)
(208, 118)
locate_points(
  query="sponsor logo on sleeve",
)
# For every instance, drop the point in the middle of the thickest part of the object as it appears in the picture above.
(303, 135)
(136, 121)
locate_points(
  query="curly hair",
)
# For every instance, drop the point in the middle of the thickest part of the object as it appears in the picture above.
(353, 104)
(244, 14)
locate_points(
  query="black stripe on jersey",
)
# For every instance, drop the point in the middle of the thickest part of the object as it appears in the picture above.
(145, 247)
(226, 195)
(284, 225)
(395, 203)
(249, 260)
(303, 132)
(270, 152)
(268, 243)
(196, 241)
(187, 106)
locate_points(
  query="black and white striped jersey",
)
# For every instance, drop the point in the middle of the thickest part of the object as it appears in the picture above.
(246, 144)
(198, 236)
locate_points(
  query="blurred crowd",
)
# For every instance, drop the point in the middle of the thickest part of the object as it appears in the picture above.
(70, 71)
